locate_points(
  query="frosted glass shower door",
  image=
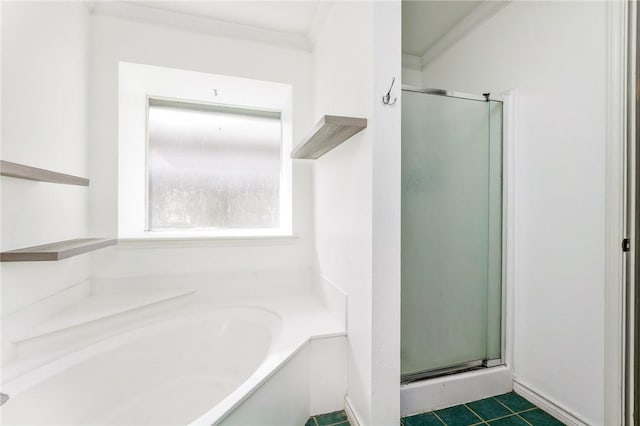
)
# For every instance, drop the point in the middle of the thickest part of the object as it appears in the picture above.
(451, 232)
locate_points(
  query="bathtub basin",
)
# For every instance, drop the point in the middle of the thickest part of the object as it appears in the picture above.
(168, 373)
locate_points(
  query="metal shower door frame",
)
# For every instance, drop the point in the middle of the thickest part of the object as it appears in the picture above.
(488, 363)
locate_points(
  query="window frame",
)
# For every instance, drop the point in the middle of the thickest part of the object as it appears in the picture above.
(140, 83)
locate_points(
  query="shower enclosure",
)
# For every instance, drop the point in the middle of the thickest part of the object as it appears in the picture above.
(451, 232)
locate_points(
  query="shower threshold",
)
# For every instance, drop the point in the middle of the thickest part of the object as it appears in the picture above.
(446, 371)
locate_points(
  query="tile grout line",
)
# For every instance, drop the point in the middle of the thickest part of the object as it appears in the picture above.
(525, 420)
(486, 421)
(438, 417)
(482, 420)
(501, 417)
(504, 405)
(513, 413)
(517, 413)
(338, 423)
(528, 409)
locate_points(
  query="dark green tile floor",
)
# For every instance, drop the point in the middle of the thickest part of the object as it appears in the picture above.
(337, 418)
(509, 409)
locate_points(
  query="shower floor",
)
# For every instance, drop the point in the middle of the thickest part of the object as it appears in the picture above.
(509, 409)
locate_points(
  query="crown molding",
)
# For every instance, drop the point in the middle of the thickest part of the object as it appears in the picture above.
(199, 24)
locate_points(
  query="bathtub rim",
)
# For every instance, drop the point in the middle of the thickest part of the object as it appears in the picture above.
(181, 318)
(302, 319)
(243, 392)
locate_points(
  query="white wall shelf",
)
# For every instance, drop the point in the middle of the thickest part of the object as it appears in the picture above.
(56, 251)
(330, 132)
(22, 171)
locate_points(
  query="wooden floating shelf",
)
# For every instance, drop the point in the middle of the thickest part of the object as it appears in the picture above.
(22, 171)
(56, 251)
(330, 132)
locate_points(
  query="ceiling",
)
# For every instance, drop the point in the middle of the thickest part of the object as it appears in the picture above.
(284, 16)
(425, 22)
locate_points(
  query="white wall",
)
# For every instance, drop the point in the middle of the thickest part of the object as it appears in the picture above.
(553, 54)
(44, 104)
(411, 77)
(342, 78)
(357, 197)
(387, 186)
(343, 183)
(115, 40)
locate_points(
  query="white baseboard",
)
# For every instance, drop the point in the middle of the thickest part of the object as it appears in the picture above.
(553, 408)
(354, 419)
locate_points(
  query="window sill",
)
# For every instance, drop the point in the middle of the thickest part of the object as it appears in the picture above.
(171, 239)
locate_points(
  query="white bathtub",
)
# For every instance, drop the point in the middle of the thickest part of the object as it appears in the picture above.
(168, 373)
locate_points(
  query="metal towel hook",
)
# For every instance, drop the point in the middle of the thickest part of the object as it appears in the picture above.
(386, 98)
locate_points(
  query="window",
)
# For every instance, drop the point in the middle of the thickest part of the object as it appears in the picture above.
(212, 167)
(202, 155)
